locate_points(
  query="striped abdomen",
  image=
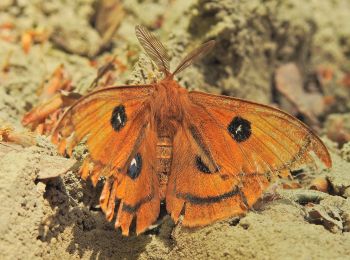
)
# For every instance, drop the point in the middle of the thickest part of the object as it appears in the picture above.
(164, 157)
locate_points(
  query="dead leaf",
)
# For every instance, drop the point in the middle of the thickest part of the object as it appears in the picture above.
(24, 138)
(39, 113)
(329, 218)
(320, 183)
(54, 166)
(338, 128)
(289, 83)
(109, 14)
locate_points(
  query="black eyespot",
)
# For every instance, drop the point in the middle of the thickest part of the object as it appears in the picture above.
(240, 129)
(135, 166)
(202, 166)
(118, 118)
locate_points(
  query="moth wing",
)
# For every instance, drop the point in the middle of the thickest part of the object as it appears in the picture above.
(202, 194)
(114, 122)
(283, 140)
(242, 146)
(137, 189)
(110, 120)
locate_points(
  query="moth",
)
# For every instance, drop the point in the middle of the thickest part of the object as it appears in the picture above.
(209, 157)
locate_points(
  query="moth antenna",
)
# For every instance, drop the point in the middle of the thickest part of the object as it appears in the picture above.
(194, 56)
(154, 48)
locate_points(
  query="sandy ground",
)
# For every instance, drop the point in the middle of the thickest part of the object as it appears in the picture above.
(60, 218)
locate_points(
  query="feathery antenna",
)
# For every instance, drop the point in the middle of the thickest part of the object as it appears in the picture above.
(158, 53)
(154, 48)
(194, 56)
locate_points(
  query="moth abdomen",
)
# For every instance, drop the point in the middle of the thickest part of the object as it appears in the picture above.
(164, 158)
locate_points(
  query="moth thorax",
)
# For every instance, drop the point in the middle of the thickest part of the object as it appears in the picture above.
(167, 104)
(170, 116)
(164, 158)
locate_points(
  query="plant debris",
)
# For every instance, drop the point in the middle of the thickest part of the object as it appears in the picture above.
(289, 83)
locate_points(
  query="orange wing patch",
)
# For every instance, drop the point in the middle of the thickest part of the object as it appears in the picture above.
(137, 188)
(280, 139)
(248, 144)
(205, 194)
(115, 123)
(98, 118)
